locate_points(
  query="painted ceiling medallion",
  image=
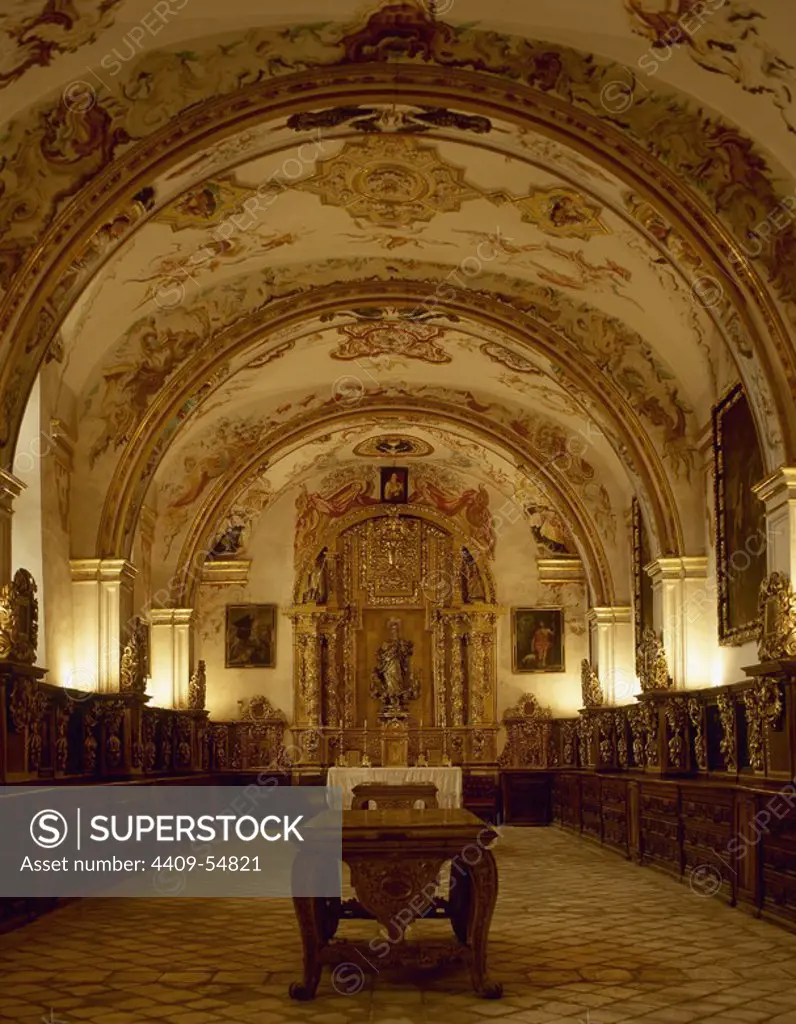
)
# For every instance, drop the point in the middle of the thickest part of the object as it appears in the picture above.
(408, 340)
(203, 206)
(387, 446)
(390, 181)
(562, 212)
(513, 360)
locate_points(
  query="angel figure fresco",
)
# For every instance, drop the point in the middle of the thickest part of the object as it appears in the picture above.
(472, 504)
(573, 271)
(170, 273)
(230, 442)
(721, 37)
(129, 386)
(314, 509)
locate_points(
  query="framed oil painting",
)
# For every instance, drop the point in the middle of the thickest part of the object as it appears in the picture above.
(537, 639)
(740, 519)
(394, 485)
(250, 636)
(642, 584)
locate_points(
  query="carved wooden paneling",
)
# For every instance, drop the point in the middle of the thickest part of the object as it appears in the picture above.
(615, 831)
(526, 797)
(708, 828)
(660, 826)
(775, 837)
(567, 800)
(591, 808)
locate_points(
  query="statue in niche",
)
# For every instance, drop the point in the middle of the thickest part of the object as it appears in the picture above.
(472, 581)
(317, 589)
(227, 544)
(394, 683)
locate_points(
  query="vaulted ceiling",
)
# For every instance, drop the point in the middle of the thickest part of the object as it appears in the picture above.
(528, 236)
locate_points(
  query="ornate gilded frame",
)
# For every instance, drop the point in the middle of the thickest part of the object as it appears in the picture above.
(638, 529)
(729, 636)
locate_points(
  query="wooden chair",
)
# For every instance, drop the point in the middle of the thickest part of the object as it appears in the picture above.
(386, 797)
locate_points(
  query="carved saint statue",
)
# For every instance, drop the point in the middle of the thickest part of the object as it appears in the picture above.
(394, 683)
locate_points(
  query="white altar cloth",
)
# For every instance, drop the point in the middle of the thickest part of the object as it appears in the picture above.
(447, 780)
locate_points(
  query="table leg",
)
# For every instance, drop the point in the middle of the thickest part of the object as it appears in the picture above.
(459, 899)
(310, 915)
(483, 896)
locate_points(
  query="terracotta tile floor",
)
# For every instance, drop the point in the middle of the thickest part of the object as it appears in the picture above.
(579, 935)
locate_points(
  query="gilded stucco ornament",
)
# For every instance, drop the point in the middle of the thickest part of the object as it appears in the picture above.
(764, 706)
(729, 741)
(591, 691)
(134, 661)
(777, 609)
(651, 667)
(197, 688)
(529, 734)
(19, 619)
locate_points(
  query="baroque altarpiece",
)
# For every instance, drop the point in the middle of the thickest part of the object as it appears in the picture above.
(371, 568)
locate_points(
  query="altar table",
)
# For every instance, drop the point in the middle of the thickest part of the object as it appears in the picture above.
(447, 780)
(395, 858)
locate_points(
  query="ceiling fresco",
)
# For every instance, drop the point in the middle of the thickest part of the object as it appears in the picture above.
(517, 247)
(33, 33)
(462, 478)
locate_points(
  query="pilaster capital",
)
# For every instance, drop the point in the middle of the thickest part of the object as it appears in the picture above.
(679, 567)
(226, 572)
(608, 615)
(171, 616)
(10, 488)
(778, 488)
(102, 570)
(561, 570)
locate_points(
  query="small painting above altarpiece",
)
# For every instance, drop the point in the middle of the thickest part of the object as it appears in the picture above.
(394, 485)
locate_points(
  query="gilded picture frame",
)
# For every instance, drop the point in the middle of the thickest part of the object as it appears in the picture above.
(394, 485)
(537, 639)
(642, 584)
(740, 528)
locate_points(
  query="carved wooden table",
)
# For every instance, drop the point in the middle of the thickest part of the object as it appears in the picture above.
(394, 797)
(447, 780)
(395, 858)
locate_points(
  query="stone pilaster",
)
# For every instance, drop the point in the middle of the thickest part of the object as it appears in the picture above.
(778, 493)
(10, 488)
(612, 651)
(171, 655)
(102, 590)
(684, 617)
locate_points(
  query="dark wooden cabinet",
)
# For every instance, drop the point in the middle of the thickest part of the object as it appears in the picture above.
(526, 797)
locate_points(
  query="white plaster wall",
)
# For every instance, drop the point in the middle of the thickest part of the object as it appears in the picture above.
(517, 579)
(270, 582)
(57, 578)
(26, 527)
